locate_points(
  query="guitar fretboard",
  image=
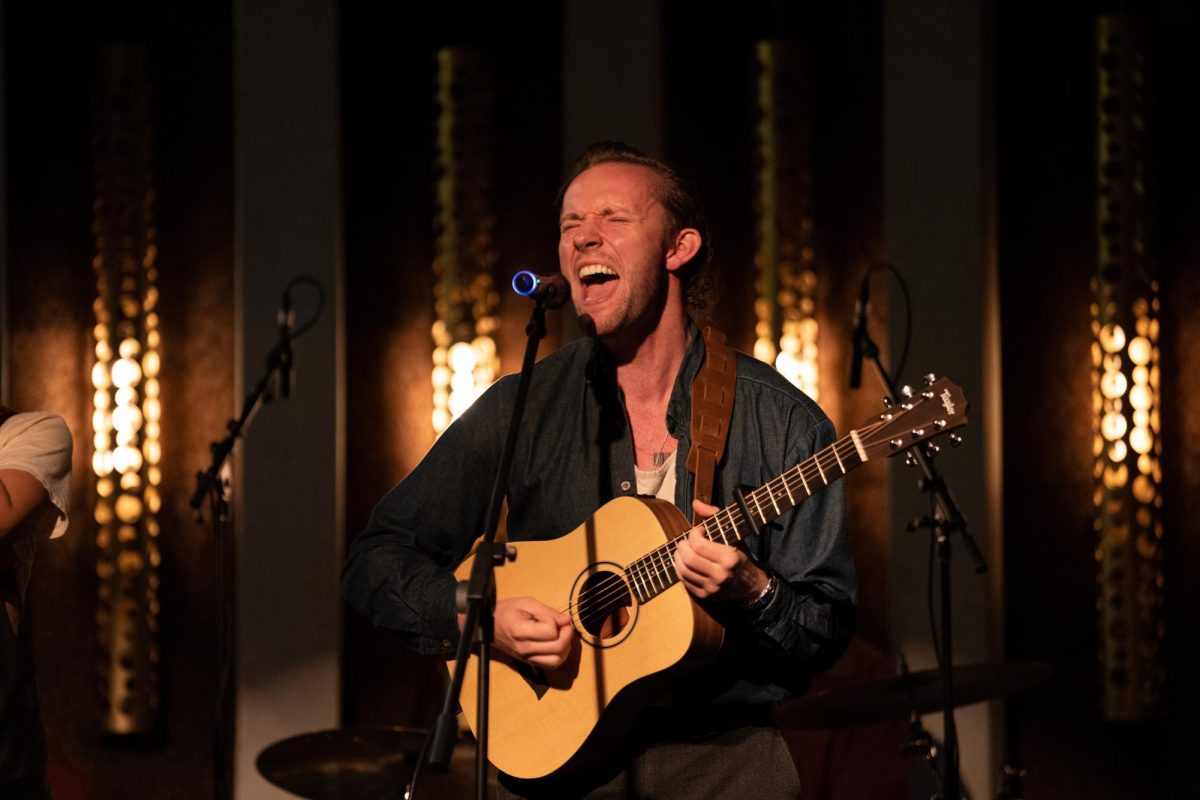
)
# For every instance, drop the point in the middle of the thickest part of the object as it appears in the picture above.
(654, 572)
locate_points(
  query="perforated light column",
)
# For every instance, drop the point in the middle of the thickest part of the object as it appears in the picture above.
(1126, 387)
(786, 330)
(465, 297)
(127, 402)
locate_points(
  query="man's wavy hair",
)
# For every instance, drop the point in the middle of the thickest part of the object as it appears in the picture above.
(684, 210)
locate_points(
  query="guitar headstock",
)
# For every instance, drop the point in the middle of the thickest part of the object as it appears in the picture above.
(939, 407)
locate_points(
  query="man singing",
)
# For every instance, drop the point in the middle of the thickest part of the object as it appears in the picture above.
(607, 416)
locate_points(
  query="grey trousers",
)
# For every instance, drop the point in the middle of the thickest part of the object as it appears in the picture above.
(749, 762)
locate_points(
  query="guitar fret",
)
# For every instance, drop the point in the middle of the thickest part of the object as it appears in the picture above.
(666, 564)
(841, 466)
(642, 579)
(807, 490)
(721, 530)
(817, 461)
(648, 579)
(754, 497)
(637, 585)
(788, 489)
(652, 565)
(771, 494)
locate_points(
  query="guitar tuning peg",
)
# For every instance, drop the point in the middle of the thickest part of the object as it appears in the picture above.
(887, 402)
(955, 439)
(932, 449)
(929, 379)
(910, 460)
(906, 391)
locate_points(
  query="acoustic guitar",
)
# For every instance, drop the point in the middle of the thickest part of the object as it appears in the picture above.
(637, 625)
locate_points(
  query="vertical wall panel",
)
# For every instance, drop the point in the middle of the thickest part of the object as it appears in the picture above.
(289, 478)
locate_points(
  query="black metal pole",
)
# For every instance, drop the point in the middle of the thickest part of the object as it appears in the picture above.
(951, 520)
(476, 596)
(950, 777)
(208, 484)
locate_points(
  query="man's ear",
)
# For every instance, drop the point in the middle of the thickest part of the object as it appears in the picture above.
(685, 244)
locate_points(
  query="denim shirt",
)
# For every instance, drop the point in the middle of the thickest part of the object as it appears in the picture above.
(574, 453)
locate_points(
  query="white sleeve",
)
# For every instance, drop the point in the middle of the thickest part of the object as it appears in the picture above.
(40, 444)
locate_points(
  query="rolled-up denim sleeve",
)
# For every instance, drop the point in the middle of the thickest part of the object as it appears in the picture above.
(398, 573)
(810, 618)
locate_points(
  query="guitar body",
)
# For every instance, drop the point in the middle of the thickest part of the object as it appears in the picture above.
(540, 721)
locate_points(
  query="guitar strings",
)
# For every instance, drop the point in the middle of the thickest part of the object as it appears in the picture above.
(616, 591)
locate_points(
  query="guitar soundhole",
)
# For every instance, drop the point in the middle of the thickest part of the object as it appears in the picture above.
(603, 605)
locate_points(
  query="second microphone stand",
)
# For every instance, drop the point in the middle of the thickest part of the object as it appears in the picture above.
(943, 525)
(209, 485)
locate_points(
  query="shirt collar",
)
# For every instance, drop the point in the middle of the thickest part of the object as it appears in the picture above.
(679, 408)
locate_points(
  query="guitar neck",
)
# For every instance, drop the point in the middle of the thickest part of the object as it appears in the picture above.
(654, 572)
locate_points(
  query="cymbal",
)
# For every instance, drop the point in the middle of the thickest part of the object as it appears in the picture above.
(898, 696)
(344, 763)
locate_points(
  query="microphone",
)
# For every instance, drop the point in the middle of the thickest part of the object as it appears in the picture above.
(552, 291)
(286, 320)
(862, 308)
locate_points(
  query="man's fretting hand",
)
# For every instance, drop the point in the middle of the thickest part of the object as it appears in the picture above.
(714, 570)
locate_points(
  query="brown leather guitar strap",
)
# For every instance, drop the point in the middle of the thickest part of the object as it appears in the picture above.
(712, 408)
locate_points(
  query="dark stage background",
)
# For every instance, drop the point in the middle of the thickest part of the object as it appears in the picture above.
(1044, 106)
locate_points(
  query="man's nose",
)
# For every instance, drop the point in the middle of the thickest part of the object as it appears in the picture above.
(586, 237)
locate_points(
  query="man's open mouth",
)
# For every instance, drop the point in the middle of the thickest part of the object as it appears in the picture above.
(599, 282)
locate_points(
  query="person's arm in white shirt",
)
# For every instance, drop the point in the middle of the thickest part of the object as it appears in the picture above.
(20, 495)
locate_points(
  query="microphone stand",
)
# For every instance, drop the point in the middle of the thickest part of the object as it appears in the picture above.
(948, 521)
(210, 485)
(476, 597)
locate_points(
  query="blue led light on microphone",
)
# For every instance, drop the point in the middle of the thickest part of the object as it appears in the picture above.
(525, 283)
(552, 291)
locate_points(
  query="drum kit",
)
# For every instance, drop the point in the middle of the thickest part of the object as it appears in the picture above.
(377, 763)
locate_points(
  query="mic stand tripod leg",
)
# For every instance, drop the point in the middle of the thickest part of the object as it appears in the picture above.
(484, 642)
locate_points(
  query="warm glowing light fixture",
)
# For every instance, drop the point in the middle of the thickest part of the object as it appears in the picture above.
(464, 351)
(786, 330)
(126, 399)
(1127, 441)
